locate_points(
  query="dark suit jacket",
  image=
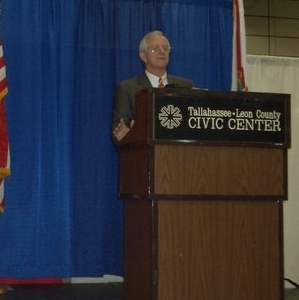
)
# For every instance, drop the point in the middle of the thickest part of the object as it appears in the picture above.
(124, 106)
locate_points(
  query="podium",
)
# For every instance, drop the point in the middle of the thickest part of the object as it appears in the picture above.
(203, 177)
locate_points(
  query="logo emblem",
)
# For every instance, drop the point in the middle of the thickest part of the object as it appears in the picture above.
(170, 116)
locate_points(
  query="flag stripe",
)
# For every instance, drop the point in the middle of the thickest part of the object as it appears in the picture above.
(239, 48)
(2, 201)
(240, 70)
(4, 141)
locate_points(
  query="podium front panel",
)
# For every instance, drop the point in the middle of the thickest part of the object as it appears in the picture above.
(211, 250)
(219, 172)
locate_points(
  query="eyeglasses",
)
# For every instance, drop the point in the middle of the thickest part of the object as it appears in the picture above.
(157, 48)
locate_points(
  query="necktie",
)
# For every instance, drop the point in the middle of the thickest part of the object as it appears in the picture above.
(161, 84)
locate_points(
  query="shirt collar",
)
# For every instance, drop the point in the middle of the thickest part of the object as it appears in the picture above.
(155, 79)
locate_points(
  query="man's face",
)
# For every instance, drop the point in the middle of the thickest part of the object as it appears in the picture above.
(156, 56)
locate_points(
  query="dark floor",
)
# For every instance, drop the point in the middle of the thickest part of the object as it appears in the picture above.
(291, 294)
(103, 291)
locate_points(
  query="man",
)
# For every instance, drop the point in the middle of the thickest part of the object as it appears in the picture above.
(154, 52)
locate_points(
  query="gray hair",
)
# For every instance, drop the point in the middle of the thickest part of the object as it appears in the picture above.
(143, 43)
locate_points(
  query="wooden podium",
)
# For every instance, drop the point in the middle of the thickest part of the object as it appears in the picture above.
(202, 176)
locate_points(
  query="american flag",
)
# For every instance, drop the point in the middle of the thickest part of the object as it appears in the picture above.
(4, 142)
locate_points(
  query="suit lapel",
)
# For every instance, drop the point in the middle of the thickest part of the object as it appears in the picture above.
(171, 80)
(143, 81)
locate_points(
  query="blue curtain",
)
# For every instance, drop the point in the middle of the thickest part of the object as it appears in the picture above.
(200, 32)
(62, 216)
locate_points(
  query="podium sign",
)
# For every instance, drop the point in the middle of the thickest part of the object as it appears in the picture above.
(222, 117)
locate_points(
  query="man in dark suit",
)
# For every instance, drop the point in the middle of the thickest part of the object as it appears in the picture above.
(154, 52)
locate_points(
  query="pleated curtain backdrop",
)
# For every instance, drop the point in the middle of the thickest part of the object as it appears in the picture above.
(269, 74)
(62, 216)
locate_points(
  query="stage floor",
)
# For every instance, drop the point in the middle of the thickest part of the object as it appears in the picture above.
(103, 291)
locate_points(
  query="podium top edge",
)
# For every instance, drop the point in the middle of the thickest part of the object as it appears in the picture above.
(194, 90)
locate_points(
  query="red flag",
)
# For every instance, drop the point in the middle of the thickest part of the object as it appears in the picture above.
(4, 142)
(239, 48)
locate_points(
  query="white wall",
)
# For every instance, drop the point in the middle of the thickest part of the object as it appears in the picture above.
(272, 27)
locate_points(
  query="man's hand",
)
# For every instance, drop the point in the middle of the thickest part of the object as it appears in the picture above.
(122, 129)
